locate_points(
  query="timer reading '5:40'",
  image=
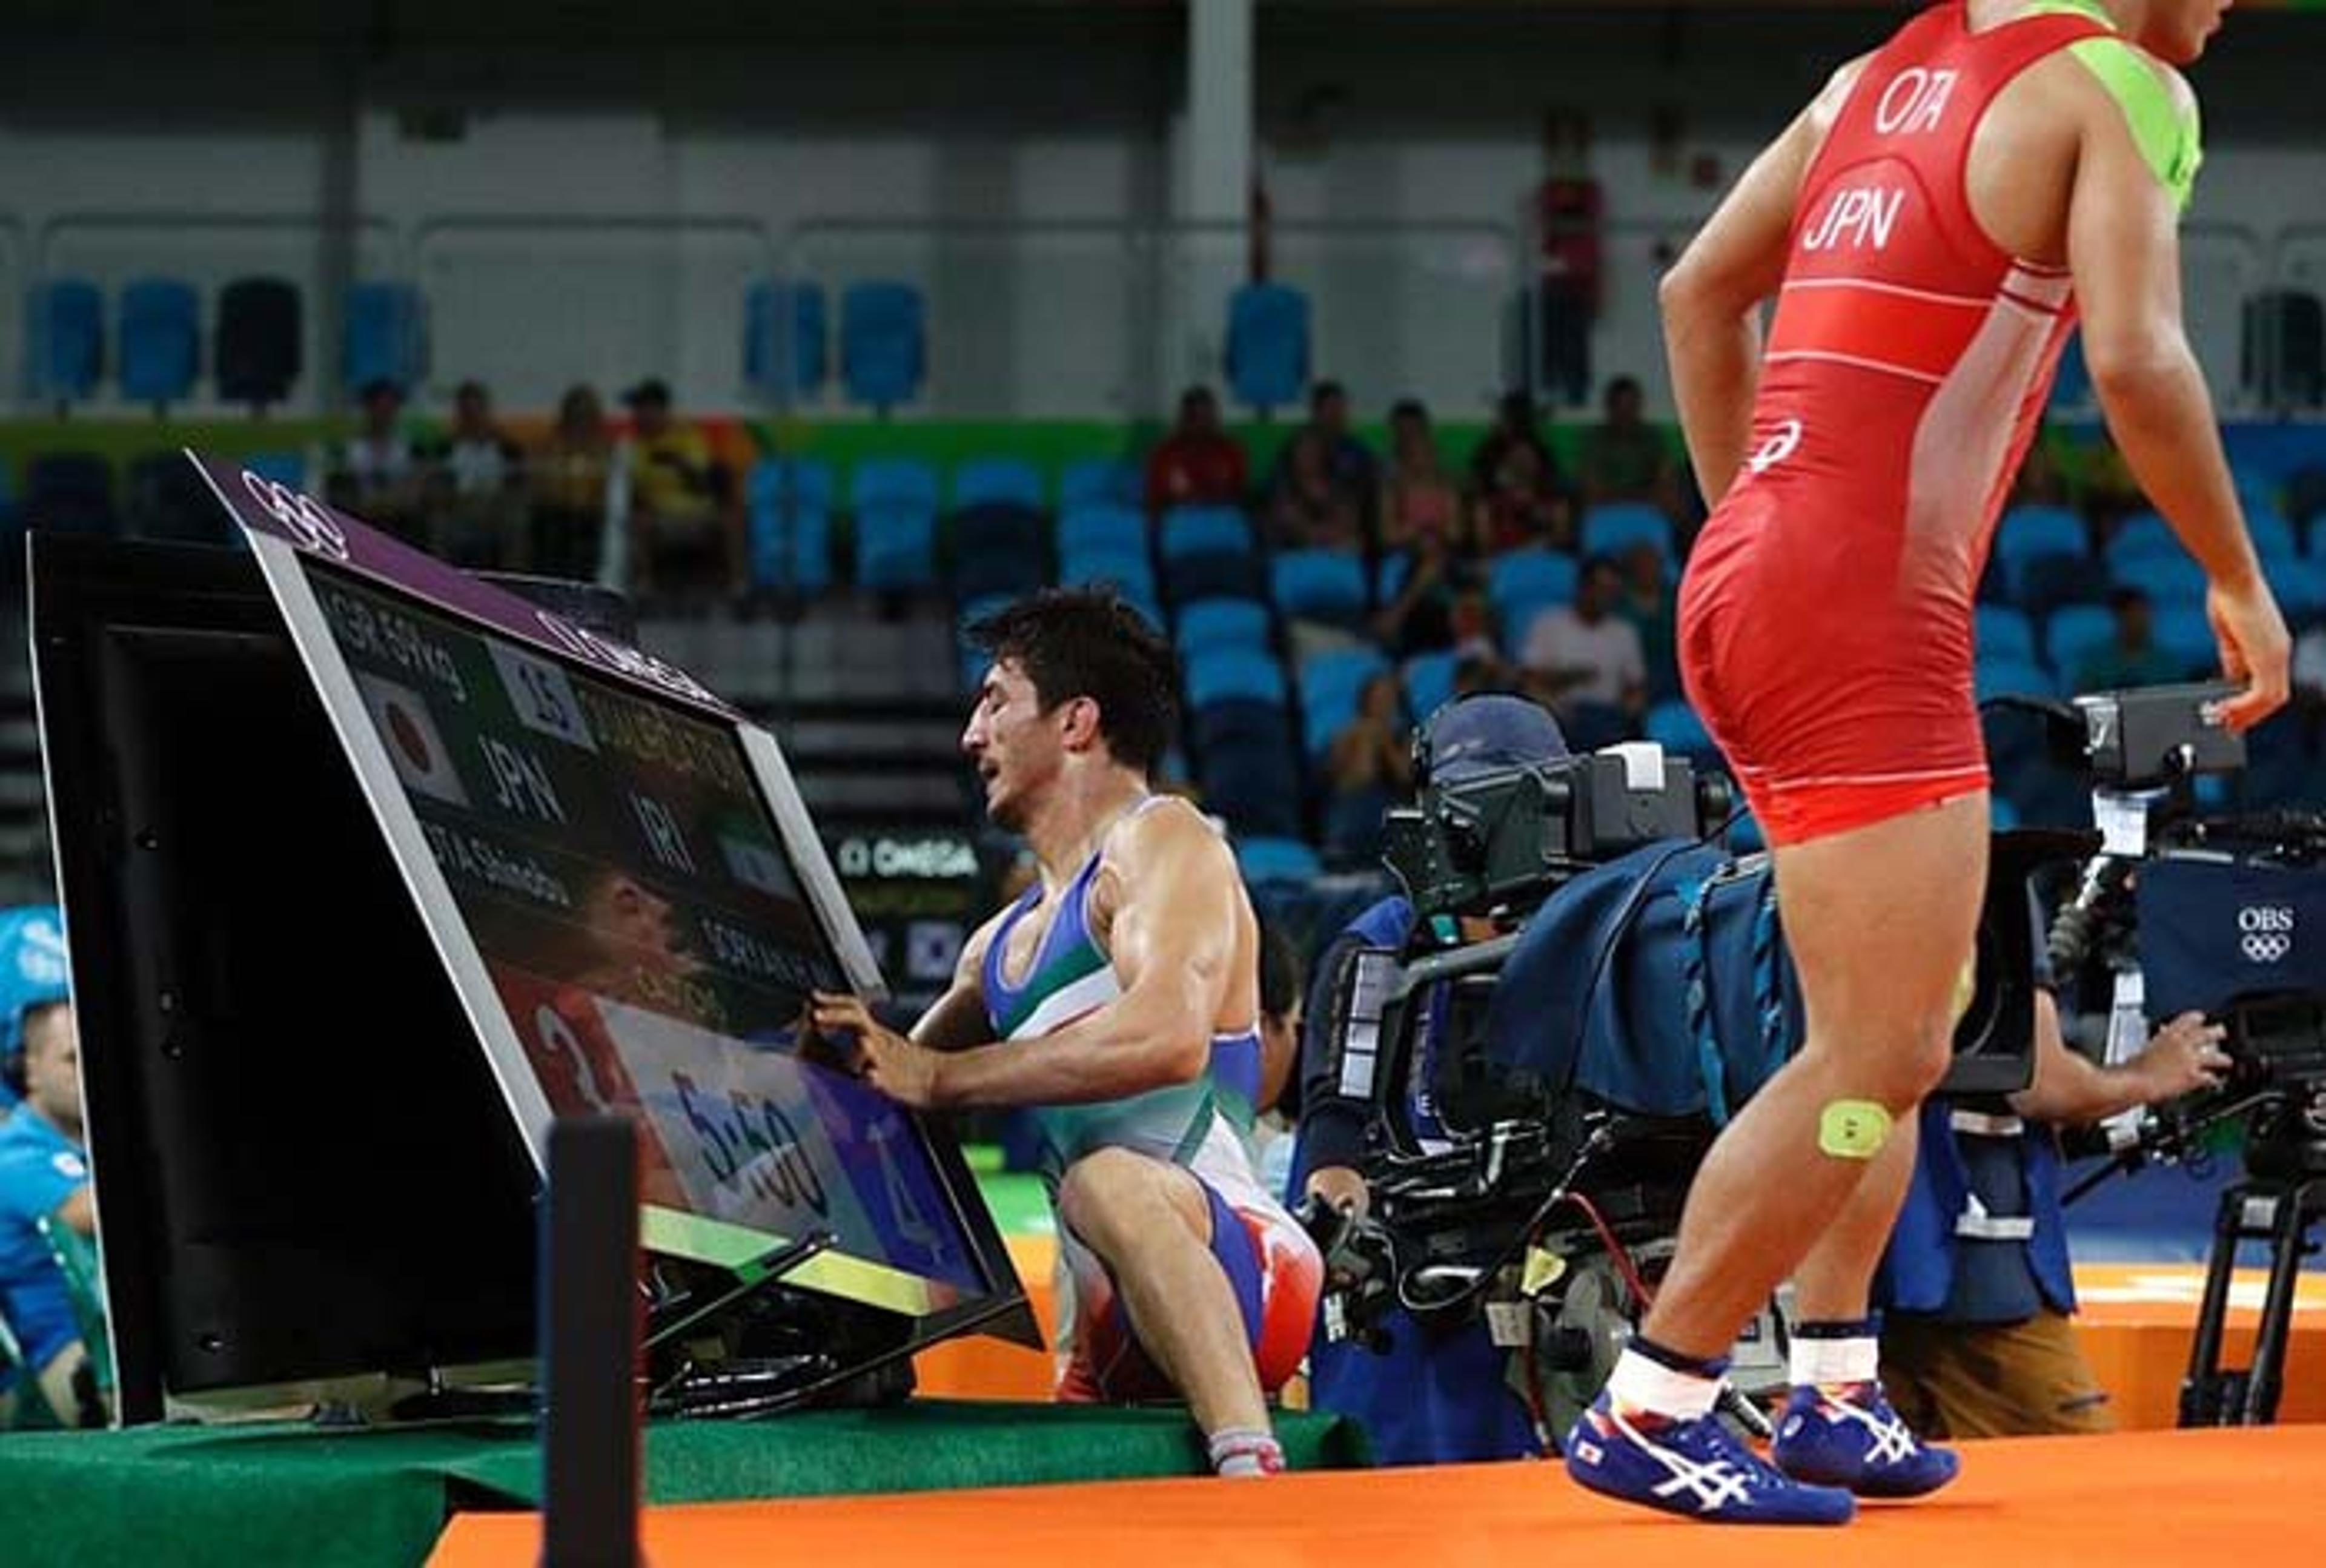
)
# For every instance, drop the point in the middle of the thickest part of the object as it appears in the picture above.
(751, 1146)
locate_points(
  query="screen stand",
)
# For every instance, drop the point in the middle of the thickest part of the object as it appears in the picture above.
(753, 1350)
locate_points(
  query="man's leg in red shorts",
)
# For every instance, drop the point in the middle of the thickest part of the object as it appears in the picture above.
(1879, 920)
(1151, 1223)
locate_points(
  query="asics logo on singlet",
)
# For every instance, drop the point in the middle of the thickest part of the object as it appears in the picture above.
(2266, 933)
(1777, 448)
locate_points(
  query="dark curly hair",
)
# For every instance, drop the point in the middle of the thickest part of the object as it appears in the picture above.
(1082, 641)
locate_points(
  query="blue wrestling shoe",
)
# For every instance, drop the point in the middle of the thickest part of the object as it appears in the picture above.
(1848, 1436)
(1696, 1469)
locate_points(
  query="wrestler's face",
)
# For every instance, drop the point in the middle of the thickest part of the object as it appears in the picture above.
(2177, 30)
(1015, 745)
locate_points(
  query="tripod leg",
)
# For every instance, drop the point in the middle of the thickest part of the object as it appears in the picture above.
(2201, 1390)
(2288, 1236)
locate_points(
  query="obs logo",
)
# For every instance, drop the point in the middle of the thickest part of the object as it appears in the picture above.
(2266, 933)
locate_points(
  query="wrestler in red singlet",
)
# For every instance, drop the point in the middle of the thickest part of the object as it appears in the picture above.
(1825, 619)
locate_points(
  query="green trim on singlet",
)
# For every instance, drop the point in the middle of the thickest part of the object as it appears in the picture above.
(2171, 138)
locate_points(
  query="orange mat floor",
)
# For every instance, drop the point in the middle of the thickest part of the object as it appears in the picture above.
(2140, 1499)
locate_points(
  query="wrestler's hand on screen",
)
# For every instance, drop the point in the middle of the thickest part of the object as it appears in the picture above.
(904, 1072)
(2254, 649)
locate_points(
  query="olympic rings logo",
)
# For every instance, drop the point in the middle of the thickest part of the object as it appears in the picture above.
(307, 520)
(2266, 947)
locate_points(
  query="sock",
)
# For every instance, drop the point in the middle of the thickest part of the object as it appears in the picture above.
(1245, 1450)
(1649, 1379)
(1834, 1352)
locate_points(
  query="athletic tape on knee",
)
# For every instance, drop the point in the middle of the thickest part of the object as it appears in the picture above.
(1853, 1129)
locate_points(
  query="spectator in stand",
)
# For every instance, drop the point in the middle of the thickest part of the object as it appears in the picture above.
(1419, 618)
(1649, 603)
(686, 530)
(1355, 469)
(569, 479)
(1368, 768)
(476, 484)
(1582, 661)
(1309, 506)
(1516, 424)
(1625, 457)
(374, 474)
(1521, 507)
(2132, 656)
(1421, 500)
(1198, 463)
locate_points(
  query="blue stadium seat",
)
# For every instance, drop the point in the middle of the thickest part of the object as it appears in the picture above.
(896, 546)
(894, 480)
(70, 493)
(1675, 727)
(883, 347)
(790, 545)
(2004, 631)
(998, 548)
(2142, 537)
(1614, 527)
(1278, 860)
(2029, 533)
(1268, 345)
(1089, 479)
(1330, 685)
(2183, 631)
(1205, 530)
(64, 340)
(385, 336)
(2300, 585)
(161, 340)
(1996, 676)
(2272, 535)
(1319, 585)
(2002, 816)
(1208, 554)
(1249, 774)
(1533, 578)
(1221, 623)
(2072, 633)
(1011, 479)
(284, 468)
(260, 347)
(1085, 525)
(1128, 570)
(1429, 682)
(1223, 674)
(2167, 579)
(784, 352)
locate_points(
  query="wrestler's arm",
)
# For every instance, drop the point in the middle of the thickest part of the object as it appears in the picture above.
(1711, 298)
(1172, 943)
(958, 1019)
(2124, 252)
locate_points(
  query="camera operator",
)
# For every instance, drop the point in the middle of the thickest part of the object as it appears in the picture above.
(1439, 1392)
(1975, 1284)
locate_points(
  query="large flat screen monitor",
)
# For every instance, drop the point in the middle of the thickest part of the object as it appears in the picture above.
(624, 904)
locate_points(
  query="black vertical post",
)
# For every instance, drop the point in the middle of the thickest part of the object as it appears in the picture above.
(589, 1343)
